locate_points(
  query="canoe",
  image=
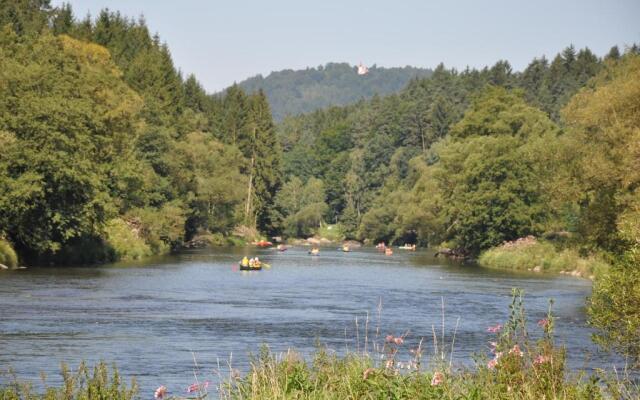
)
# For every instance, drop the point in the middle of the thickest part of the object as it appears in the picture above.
(250, 268)
(264, 243)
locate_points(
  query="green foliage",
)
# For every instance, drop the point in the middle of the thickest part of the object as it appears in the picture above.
(8, 256)
(83, 384)
(66, 130)
(93, 134)
(125, 240)
(334, 84)
(530, 254)
(301, 206)
(483, 189)
(25, 16)
(614, 305)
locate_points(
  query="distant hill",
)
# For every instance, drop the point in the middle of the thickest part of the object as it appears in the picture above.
(335, 84)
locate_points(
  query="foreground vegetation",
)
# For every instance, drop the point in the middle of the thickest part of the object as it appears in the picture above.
(97, 383)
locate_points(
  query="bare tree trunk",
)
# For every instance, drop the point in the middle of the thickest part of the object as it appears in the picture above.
(247, 207)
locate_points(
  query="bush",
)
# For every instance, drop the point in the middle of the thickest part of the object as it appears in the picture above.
(126, 241)
(8, 256)
(614, 307)
(531, 254)
(333, 233)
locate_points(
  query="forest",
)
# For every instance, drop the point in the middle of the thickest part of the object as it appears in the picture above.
(109, 153)
(335, 84)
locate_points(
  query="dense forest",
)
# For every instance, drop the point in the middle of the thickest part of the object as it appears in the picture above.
(108, 152)
(335, 84)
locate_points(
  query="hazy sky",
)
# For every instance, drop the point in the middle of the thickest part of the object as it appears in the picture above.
(223, 41)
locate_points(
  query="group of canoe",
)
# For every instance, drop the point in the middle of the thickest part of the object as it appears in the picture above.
(254, 264)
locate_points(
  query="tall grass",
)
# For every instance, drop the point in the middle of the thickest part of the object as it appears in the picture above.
(97, 383)
(540, 256)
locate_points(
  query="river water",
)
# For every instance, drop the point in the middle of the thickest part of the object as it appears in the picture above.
(152, 317)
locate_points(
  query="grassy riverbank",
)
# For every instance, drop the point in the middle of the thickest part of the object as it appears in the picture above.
(540, 256)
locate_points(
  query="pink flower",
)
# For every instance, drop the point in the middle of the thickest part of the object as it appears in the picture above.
(493, 346)
(368, 372)
(539, 360)
(196, 387)
(543, 323)
(494, 329)
(160, 392)
(492, 364)
(389, 338)
(398, 341)
(438, 379)
(516, 350)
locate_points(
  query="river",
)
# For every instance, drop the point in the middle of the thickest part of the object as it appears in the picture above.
(151, 317)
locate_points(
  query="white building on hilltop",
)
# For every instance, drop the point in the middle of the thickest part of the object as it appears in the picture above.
(362, 69)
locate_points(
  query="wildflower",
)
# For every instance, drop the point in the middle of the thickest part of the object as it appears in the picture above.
(195, 387)
(389, 364)
(516, 350)
(368, 372)
(544, 323)
(494, 329)
(438, 379)
(160, 392)
(398, 341)
(493, 345)
(539, 360)
(492, 364)
(389, 338)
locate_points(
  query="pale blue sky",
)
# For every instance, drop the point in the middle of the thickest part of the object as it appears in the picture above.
(223, 41)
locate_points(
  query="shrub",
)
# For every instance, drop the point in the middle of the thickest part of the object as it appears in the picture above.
(8, 256)
(126, 241)
(531, 254)
(614, 307)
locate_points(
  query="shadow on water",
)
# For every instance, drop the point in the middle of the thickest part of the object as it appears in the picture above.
(149, 316)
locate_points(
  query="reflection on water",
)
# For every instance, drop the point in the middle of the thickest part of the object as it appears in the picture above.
(150, 316)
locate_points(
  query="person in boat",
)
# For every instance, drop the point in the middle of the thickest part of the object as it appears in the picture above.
(245, 262)
(256, 263)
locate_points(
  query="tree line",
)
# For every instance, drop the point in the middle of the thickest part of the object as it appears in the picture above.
(334, 84)
(109, 152)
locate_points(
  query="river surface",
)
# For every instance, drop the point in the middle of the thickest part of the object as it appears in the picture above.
(151, 317)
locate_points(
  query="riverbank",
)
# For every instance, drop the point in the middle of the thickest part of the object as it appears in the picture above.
(531, 254)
